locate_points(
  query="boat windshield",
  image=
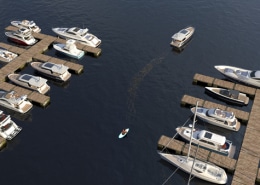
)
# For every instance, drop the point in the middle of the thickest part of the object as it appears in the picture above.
(200, 167)
(242, 73)
(228, 70)
(185, 32)
(224, 114)
(214, 172)
(232, 93)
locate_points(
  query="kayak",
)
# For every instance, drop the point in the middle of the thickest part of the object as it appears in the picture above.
(123, 134)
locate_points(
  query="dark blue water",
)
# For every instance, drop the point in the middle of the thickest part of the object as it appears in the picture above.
(137, 82)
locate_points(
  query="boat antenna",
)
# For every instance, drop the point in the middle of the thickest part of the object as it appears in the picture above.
(194, 120)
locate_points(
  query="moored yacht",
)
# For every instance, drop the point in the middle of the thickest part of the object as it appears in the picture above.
(8, 128)
(180, 38)
(218, 117)
(245, 76)
(70, 49)
(55, 71)
(32, 82)
(229, 95)
(13, 100)
(7, 56)
(31, 25)
(207, 140)
(22, 36)
(79, 34)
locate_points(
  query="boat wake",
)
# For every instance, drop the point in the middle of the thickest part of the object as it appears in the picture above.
(136, 81)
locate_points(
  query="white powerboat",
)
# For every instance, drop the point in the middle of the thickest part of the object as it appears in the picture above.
(232, 96)
(200, 169)
(78, 34)
(8, 128)
(22, 36)
(13, 100)
(55, 71)
(35, 83)
(245, 76)
(70, 49)
(180, 38)
(7, 56)
(218, 117)
(31, 25)
(208, 140)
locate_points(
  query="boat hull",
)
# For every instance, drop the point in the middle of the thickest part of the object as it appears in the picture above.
(60, 48)
(186, 163)
(15, 79)
(181, 45)
(205, 144)
(238, 78)
(217, 122)
(58, 77)
(242, 100)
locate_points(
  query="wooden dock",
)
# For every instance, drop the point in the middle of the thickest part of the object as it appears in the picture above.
(35, 53)
(245, 169)
(2, 142)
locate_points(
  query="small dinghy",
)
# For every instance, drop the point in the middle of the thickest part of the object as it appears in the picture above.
(123, 133)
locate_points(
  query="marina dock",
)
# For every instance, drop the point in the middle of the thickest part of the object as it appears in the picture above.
(245, 169)
(35, 53)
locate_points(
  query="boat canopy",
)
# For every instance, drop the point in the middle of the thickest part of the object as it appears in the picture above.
(255, 75)
(78, 31)
(179, 36)
(33, 80)
(223, 114)
(211, 137)
(57, 68)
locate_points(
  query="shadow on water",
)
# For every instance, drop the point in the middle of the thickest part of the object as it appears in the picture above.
(19, 116)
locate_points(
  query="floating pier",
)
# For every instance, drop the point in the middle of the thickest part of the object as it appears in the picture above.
(245, 169)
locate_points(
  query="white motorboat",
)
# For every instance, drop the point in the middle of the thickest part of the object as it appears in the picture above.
(245, 76)
(8, 128)
(180, 38)
(70, 49)
(13, 100)
(78, 34)
(55, 71)
(208, 140)
(218, 117)
(32, 82)
(22, 36)
(232, 96)
(7, 56)
(31, 25)
(200, 169)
